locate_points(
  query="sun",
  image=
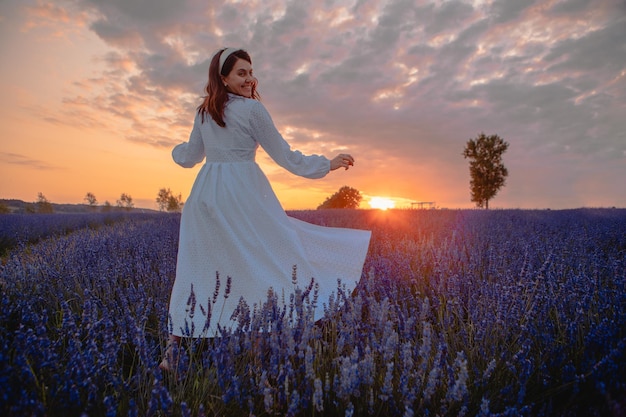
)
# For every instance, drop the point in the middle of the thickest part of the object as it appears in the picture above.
(382, 203)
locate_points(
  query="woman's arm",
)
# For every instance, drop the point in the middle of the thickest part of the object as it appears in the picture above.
(190, 153)
(265, 132)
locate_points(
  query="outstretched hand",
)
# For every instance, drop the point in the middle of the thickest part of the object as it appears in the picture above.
(343, 160)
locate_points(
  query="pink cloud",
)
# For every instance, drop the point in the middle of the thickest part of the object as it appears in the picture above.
(406, 82)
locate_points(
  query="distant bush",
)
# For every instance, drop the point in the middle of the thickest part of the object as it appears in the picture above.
(345, 198)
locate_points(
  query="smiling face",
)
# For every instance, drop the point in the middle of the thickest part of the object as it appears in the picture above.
(240, 80)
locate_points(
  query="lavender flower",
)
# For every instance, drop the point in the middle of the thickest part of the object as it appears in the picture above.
(216, 292)
(458, 390)
(386, 391)
(318, 396)
(513, 293)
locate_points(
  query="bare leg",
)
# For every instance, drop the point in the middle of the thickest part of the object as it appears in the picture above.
(167, 364)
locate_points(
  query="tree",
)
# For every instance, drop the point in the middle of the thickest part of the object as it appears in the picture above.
(487, 172)
(90, 198)
(167, 201)
(162, 198)
(107, 206)
(43, 205)
(29, 208)
(125, 201)
(175, 203)
(346, 197)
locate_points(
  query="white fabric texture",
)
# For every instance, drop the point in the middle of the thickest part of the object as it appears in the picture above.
(233, 225)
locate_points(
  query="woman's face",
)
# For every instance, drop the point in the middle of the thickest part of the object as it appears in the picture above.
(240, 80)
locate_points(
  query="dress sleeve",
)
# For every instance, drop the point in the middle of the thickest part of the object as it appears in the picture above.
(188, 154)
(264, 131)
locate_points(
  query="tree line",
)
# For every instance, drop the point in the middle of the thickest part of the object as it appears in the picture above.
(487, 175)
(166, 201)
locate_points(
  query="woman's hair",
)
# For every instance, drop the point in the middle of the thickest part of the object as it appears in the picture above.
(216, 97)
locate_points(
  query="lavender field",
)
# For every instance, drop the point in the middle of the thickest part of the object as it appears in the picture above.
(23, 229)
(459, 313)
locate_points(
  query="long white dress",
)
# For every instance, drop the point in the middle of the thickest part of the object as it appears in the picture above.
(233, 226)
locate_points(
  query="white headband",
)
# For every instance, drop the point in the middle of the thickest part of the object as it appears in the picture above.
(227, 52)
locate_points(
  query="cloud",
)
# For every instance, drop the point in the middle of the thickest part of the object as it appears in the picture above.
(505, 10)
(601, 51)
(59, 21)
(141, 10)
(398, 79)
(447, 17)
(568, 7)
(23, 160)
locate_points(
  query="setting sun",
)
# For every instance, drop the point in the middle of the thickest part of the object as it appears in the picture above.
(382, 203)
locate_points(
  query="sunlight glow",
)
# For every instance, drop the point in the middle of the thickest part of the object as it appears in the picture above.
(382, 203)
(304, 68)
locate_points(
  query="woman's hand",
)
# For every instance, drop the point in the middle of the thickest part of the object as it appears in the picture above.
(342, 160)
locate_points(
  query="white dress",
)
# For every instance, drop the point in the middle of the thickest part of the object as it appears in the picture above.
(233, 225)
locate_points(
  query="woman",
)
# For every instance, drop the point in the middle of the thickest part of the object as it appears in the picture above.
(236, 241)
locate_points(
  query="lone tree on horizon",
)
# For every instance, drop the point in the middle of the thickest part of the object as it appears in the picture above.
(168, 201)
(346, 197)
(91, 199)
(125, 201)
(487, 172)
(43, 204)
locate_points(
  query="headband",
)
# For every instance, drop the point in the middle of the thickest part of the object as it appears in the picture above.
(225, 54)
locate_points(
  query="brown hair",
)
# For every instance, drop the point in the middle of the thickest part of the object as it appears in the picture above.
(216, 97)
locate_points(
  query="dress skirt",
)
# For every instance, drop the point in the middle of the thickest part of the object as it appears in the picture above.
(234, 230)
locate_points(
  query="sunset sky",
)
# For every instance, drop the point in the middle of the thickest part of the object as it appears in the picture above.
(95, 93)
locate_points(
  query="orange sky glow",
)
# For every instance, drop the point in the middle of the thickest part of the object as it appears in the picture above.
(94, 95)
